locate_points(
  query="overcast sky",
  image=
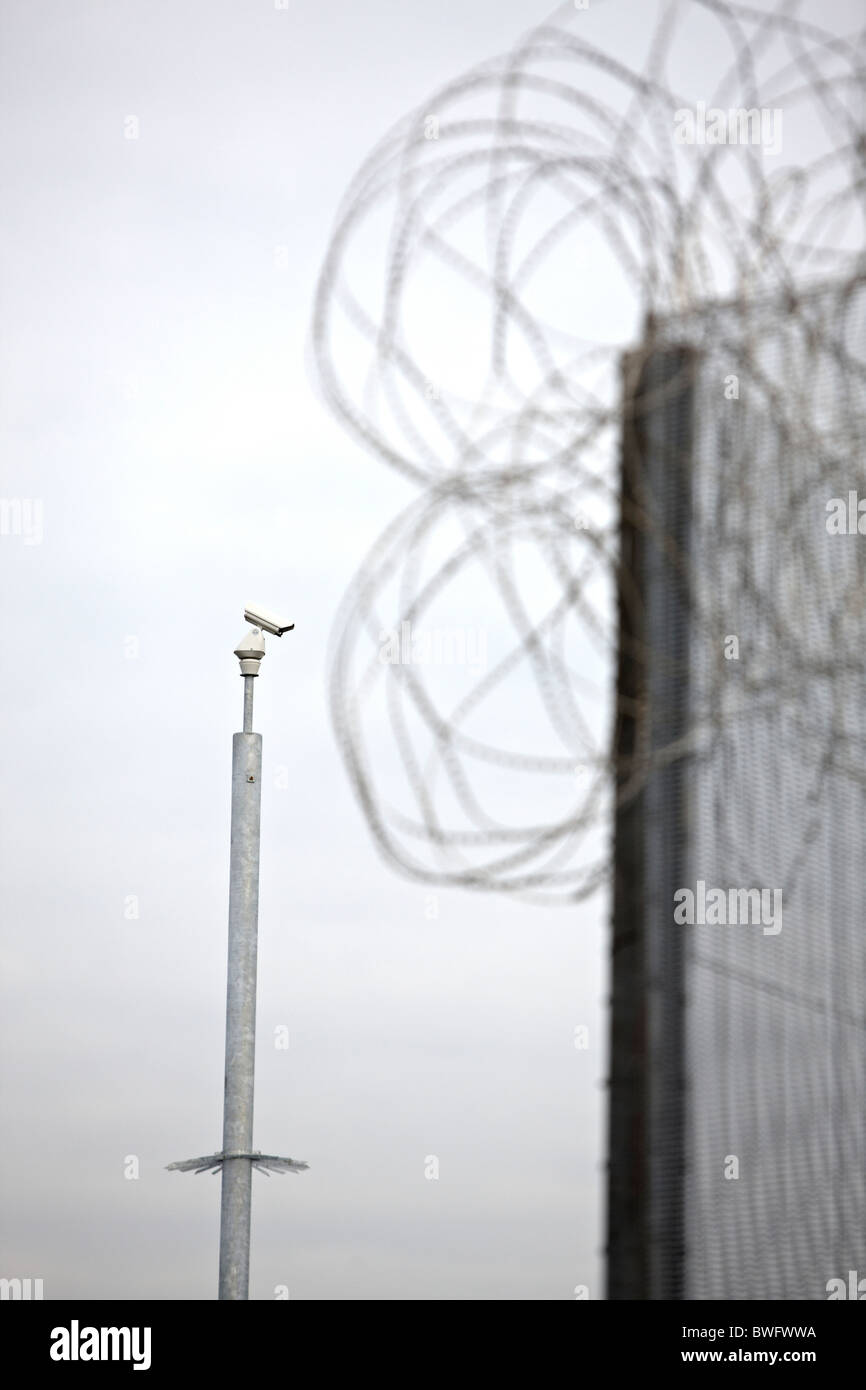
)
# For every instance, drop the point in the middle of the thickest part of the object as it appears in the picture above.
(157, 402)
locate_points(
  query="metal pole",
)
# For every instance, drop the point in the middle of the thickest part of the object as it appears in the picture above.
(238, 1158)
(241, 1007)
(647, 1086)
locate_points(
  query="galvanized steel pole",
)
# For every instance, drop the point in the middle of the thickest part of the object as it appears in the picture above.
(238, 1158)
(237, 1173)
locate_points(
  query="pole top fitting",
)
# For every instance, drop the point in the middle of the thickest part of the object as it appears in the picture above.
(250, 650)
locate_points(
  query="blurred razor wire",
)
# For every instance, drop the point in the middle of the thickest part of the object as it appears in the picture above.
(527, 272)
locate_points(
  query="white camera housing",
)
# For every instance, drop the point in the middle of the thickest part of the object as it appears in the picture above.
(259, 617)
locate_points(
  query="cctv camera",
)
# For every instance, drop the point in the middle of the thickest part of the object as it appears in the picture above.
(259, 618)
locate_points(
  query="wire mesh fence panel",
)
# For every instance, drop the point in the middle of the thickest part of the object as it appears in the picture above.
(775, 973)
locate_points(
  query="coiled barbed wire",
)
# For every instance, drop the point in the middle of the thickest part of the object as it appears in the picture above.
(493, 260)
